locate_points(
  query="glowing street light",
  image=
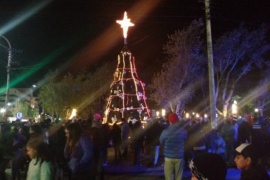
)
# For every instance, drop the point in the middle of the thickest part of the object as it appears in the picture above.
(73, 113)
(234, 107)
(163, 112)
(2, 110)
(187, 115)
(157, 114)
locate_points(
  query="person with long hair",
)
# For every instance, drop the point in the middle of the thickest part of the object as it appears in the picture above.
(40, 167)
(79, 153)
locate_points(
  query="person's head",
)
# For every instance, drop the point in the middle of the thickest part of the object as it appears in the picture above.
(97, 116)
(35, 129)
(36, 148)
(73, 131)
(208, 166)
(123, 120)
(173, 118)
(246, 156)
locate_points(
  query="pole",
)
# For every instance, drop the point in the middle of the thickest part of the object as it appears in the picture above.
(8, 72)
(210, 66)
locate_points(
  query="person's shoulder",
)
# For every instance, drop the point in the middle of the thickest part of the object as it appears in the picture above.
(46, 164)
(255, 172)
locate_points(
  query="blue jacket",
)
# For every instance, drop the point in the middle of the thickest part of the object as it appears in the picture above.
(173, 139)
(81, 159)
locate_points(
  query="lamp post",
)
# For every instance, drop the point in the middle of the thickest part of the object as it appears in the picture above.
(8, 70)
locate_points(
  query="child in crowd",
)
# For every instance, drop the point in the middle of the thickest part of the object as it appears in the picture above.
(40, 167)
(246, 159)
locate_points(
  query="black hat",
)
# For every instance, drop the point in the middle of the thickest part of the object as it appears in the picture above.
(208, 167)
(247, 150)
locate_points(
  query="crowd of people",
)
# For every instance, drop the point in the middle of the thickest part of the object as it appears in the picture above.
(79, 148)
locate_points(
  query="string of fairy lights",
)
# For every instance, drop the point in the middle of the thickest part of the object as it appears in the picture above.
(127, 95)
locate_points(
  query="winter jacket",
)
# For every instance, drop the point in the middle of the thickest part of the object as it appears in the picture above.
(39, 171)
(81, 159)
(173, 139)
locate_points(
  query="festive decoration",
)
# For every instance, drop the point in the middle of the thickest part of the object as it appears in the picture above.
(127, 95)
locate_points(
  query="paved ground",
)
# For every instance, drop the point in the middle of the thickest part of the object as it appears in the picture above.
(126, 171)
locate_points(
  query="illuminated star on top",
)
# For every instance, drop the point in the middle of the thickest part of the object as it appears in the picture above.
(125, 24)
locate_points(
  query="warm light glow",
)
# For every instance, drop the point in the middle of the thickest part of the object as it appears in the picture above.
(256, 110)
(125, 24)
(187, 115)
(2, 110)
(234, 107)
(205, 116)
(157, 113)
(73, 113)
(163, 112)
(197, 115)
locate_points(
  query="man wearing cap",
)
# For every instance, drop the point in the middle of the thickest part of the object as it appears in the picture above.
(246, 159)
(172, 139)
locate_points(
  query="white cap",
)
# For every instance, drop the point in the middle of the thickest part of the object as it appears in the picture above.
(242, 147)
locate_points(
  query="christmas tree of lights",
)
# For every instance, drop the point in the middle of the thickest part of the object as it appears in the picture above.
(127, 95)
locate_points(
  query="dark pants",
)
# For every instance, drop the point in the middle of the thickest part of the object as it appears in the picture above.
(137, 155)
(84, 175)
(117, 152)
(99, 158)
(3, 166)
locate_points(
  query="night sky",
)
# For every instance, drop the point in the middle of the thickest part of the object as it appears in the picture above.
(77, 34)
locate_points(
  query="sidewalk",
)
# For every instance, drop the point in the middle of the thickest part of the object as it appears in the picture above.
(126, 167)
(126, 171)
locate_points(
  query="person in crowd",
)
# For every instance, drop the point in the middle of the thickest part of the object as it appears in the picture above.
(173, 139)
(79, 153)
(36, 131)
(210, 135)
(125, 131)
(188, 154)
(6, 148)
(228, 134)
(100, 137)
(244, 131)
(116, 140)
(153, 132)
(220, 145)
(21, 136)
(260, 137)
(40, 167)
(247, 159)
(208, 166)
(197, 139)
(137, 140)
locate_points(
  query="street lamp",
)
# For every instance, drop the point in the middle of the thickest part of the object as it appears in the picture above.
(163, 112)
(8, 69)
(234, 107)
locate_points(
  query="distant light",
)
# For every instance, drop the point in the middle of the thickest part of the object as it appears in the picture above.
(256, 110)
(205, 116)
(2, 110)
(187, 115)
(163, 112)
(157, 113)
(73, 113)
(34, 86)
(9, 104)
(234, 108)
